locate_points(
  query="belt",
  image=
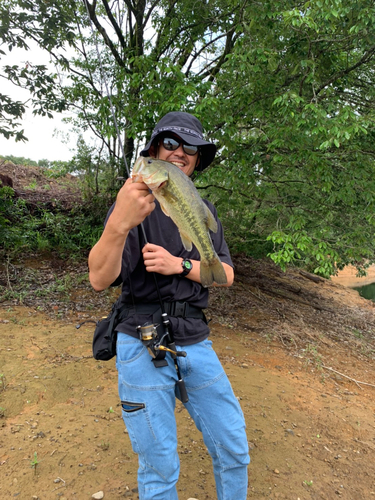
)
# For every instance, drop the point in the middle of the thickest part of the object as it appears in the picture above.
(176, 309)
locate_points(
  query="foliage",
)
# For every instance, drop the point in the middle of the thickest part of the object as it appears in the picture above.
(22, 22)
(284, 88)
(97, 171)
(150, 53)
(294, 114)
(19, 160)
(24, 229)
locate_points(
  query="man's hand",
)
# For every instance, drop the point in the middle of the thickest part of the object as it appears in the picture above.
(158, 260)
(133, 204)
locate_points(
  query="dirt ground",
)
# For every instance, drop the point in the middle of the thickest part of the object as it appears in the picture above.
(299, 351)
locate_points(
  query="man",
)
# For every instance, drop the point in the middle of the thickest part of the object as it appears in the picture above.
(147, 391)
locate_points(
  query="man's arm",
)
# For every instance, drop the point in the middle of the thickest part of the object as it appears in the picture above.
(133, 204)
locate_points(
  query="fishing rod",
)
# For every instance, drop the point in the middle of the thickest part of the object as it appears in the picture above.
(148, 333)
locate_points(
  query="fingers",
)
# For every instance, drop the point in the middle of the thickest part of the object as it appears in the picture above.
(150, 247)
(134, 203)
(158, 259)
(152, 255)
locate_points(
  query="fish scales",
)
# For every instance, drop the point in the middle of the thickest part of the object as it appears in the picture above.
(180, 200)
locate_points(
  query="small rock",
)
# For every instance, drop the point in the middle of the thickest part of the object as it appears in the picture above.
(276, 471)
(98, 496)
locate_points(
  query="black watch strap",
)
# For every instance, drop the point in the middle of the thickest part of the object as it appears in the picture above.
(187, 266)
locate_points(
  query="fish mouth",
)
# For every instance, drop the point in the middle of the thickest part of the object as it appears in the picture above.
(137, 173)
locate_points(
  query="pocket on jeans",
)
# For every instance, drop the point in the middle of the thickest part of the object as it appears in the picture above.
(207, 344)
(139, 426)
(129, 349)
(131, 406)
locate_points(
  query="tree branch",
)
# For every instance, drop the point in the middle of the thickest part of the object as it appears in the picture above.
(364, 59)
(102, 31)
(116, 27)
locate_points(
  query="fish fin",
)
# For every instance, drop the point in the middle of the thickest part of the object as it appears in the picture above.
(210, 220)
(165, 211)
(212, 271)
(186, 241)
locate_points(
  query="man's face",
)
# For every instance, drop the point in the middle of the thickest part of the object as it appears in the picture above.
(178, 157)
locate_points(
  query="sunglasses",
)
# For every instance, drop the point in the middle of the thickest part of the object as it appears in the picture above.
(171, 144)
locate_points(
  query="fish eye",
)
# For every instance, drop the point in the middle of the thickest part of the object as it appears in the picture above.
(149, 161)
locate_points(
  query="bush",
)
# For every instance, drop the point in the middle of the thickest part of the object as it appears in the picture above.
(69, 232)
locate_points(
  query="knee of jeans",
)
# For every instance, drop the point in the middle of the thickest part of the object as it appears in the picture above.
(165, 467)
(235, 457)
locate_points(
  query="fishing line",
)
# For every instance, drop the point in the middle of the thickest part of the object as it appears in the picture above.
(112, 108)
(104, 79)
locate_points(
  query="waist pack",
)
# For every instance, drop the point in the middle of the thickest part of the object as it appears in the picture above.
(105, 334)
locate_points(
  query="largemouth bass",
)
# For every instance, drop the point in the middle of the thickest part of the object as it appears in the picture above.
(179, 200)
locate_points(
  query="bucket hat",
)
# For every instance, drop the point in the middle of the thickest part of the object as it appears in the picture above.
(189, 128)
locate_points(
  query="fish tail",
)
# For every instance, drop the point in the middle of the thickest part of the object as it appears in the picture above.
(212, 271)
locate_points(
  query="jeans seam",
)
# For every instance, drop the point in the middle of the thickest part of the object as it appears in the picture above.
(208, 383)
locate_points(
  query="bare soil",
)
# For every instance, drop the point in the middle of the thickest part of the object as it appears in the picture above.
(36, 187)
(299, 351)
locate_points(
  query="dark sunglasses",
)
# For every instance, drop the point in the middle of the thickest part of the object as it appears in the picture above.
(171, 144)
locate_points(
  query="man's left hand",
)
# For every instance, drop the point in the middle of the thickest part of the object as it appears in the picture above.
(158, 260)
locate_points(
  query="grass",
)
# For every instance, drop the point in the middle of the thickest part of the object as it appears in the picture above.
(308, 483)
(34, 462)
(2, 382)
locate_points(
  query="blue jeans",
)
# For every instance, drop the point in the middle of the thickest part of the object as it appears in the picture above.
(148, 396)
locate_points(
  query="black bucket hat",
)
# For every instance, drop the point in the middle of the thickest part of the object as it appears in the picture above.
(189, 128)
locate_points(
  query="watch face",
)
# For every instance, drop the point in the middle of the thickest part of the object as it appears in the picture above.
(188, 264)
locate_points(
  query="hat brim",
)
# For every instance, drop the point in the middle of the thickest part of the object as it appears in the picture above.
(207, 149)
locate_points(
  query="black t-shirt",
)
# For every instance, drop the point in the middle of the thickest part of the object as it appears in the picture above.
(138, 285)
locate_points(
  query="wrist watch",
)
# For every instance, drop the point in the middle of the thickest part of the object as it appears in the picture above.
(187, 266)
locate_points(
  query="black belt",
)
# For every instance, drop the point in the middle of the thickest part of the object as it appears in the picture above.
(176, 309)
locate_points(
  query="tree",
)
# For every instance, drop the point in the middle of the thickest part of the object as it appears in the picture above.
(165, 53)
(294, 114)
(21, 23)
(151, 57)
(285, 89)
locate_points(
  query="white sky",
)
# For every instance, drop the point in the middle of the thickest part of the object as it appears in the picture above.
(45, 135)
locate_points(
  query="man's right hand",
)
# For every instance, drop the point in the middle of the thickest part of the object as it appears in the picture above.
(133, 204)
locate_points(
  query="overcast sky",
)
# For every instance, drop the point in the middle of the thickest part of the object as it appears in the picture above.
(45, 135)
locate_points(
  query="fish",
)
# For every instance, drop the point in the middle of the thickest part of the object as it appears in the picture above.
(180, 200)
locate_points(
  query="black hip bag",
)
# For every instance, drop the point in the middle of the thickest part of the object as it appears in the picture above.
(105, 334)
